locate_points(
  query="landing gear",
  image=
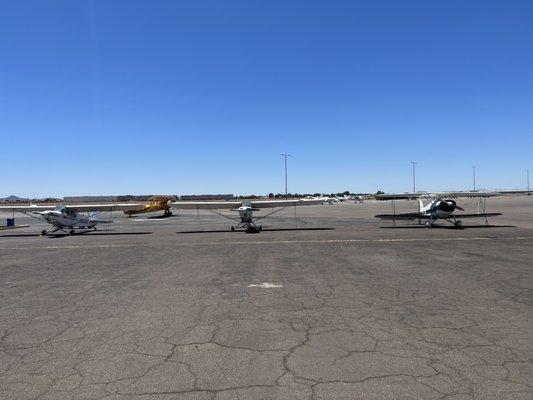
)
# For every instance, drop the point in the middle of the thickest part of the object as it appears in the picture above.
(458, 224)
(72, 232)
(249, 227)
(94, 227)
(428, 224)
(44, 232)
(167, 213)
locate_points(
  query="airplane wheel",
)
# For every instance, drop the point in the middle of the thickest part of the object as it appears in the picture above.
(72, 232)
(427, 224)
(458, 223)
(94, 227)
(260, 227)
(233, 229)
(44, 233)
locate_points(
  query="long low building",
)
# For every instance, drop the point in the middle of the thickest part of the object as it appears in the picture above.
(207, 197)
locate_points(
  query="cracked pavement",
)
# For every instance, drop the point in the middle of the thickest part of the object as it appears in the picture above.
(145, 311)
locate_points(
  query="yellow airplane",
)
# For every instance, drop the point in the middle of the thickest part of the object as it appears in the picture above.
(156, 203)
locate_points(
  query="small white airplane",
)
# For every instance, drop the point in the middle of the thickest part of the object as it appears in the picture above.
(329, 200)
(245, 209)
(436, 209)
(68, 218)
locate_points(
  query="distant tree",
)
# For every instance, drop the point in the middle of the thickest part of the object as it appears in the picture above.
(270, 195)
(346, 193)
(380, 192)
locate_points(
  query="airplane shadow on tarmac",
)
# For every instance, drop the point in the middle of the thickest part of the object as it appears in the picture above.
(61, 235)
(264, 230)
(161, 216)
(422, 226)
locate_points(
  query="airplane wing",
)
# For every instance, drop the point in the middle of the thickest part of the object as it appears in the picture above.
(26, 208)
(412, 196)
(414, 216)
(204, 205)
(103, 207)
(286, 203)
(219, 205)
(397, 196)
(74, 207)
(466, 194)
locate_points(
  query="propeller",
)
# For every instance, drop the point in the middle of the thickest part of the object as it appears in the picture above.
(452, 205)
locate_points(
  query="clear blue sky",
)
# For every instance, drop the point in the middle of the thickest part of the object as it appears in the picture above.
(115, 97)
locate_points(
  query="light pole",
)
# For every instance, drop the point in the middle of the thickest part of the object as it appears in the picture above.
(474, 178)
(527, 173)
(285, 155)
(414, 176)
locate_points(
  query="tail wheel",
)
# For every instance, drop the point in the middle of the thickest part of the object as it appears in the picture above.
(44, 233)
(72, 232)
(232, 229)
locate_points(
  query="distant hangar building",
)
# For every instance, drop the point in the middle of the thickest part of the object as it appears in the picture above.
(207, 197)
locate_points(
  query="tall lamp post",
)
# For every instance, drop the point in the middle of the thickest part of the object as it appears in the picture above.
(285, 155)
(474, 178)
(414, 176)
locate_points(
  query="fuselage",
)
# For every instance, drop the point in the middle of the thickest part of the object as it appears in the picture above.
(246, 212)
(439, 208)
(158, 203)
(62, 217)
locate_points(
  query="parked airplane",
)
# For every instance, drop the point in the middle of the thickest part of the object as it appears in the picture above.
(437, 209)
(245, 209)
(68, 218)
(156, 203)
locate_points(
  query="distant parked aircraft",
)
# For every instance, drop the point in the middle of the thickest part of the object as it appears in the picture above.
(245, 209)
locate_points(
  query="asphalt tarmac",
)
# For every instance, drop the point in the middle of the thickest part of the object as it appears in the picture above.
(327, 303)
